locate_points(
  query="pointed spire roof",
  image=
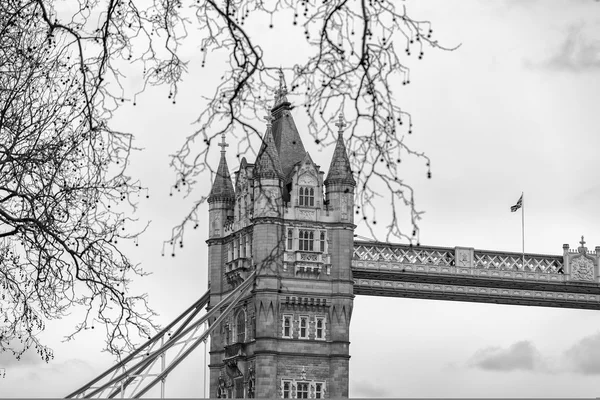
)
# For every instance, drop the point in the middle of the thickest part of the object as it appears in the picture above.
(222, 188)
(339, 170)
(268, 164)
(285, 134)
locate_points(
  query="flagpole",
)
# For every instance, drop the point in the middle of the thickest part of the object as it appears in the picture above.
(523, 226)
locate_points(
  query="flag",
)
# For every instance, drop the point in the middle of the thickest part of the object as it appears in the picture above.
(518, 205)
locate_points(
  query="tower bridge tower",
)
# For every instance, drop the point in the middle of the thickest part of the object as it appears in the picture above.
(289, 337)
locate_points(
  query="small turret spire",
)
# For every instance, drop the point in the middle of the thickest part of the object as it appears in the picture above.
(268, 164)
(339, 170)
(222, 188)
(281, 91)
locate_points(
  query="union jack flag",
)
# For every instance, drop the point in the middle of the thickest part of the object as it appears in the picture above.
(518, 205)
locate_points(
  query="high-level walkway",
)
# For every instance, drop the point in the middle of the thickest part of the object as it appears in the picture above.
(465, 274)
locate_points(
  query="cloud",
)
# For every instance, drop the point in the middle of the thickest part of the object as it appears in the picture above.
(30, 357)
(584, 356)
(519, 356)
(55, 379)
(580, 51)
(368, 389)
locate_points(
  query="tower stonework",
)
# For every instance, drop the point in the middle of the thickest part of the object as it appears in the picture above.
(289, 336)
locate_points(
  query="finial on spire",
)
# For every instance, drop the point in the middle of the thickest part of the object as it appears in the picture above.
(223, 144)
(282, 85)
(340, 124)
(582, 243)
(269, 118)
(281, 91)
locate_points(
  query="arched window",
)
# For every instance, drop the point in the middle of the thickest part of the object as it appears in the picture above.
(241, 327)
(306, 197)
(306, 239)
(322, 242)
(290, 239)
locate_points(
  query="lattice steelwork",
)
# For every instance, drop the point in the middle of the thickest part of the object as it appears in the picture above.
(443, 256)
(507, 261)
(152, 362)
(404, 254)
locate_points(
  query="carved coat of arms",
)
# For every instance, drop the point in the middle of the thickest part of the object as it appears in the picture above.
(582, 269)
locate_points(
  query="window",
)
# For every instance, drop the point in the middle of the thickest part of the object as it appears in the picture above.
(292, 389)
(306, 197)
(302, 390)
(290, 239)
(287, 326)
(322, 242)
(236, 246)
(287, 389)
(320, 328)
(303, 327)
(318, 390)
(241, 327)
(306, 240)
(244, 244)
(249, 245)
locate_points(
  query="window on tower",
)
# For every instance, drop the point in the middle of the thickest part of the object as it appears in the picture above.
(306, 196)
(302, 390)
(287, 389)
(322, 242)
(303, 327)
(241, 327)
(290, 239)
(318, 390)
(287, 326)
(320, 328)
(306, 239)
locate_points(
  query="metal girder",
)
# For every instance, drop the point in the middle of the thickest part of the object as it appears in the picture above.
(139, 372)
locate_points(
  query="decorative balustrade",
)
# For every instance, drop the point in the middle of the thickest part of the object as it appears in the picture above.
(461, 261)
(514, 262)
(404, 254)
(311, 262)
(309, 257)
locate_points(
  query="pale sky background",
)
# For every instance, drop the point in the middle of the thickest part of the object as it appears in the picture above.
(515, 109)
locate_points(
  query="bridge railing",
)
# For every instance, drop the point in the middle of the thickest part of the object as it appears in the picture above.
(458, 261)
(406, 254)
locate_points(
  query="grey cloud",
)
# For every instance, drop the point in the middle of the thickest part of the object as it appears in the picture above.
(368, 389)
(584, 356)
(579, 52)
(30, 357)
(519, 356)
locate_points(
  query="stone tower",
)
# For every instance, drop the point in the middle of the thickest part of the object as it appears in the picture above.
(289, 337)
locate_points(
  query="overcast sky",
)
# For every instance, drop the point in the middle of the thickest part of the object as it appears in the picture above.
(515, 109)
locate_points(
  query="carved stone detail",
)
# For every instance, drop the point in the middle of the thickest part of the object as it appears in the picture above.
(215, 225)
(306, 214)
(306, 180)
(344, 207)
(463, 258)
(582, 269)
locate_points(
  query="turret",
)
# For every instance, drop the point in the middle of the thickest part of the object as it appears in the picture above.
(221, 201)
(268, 177)
(285, 134)
(340, 183)
(222, 196)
